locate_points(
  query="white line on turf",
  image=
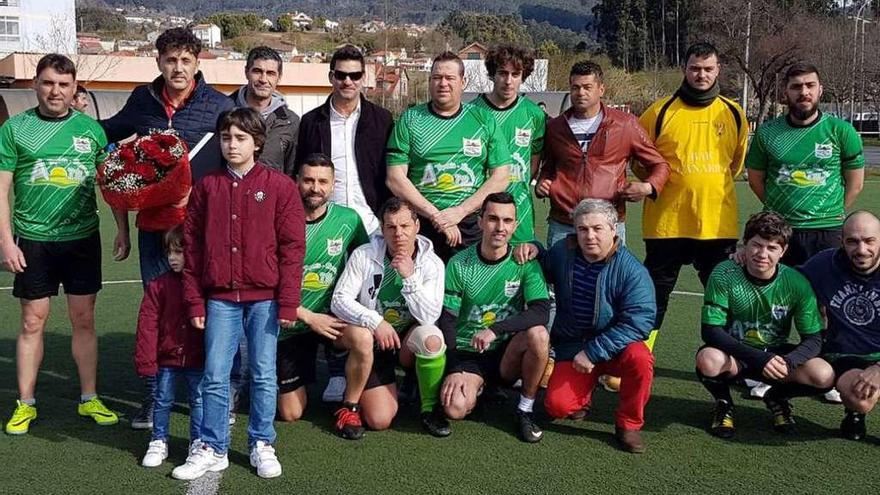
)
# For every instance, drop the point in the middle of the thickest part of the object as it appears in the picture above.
(208, 484)
(119, 282)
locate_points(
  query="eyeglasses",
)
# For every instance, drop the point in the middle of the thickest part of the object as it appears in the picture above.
(341, 76)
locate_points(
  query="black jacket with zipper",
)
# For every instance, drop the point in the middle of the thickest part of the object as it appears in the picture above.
(371, 135)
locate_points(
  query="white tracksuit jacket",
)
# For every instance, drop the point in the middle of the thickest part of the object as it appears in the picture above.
(354, 298)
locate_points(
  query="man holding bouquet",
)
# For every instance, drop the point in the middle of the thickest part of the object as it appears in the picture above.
(51, 235)
(179, 99)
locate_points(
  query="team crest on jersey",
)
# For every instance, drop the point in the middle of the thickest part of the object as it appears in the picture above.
(260, 196)
(824, 151)
(472, 147)
(334, 247)
(511, 287)
(82, 145)
(779, 312)
(523, 137)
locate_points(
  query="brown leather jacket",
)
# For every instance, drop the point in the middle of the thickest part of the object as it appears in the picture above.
(601, 171)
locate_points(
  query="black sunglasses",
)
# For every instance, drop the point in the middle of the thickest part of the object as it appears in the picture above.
(340, 75)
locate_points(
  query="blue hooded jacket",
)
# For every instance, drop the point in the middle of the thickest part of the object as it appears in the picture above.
(625, 303)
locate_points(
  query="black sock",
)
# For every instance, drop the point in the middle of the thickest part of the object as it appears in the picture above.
(718, 386)
(789, 390)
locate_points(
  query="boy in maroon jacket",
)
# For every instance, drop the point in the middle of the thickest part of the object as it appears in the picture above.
(244, 241)
(168, 347)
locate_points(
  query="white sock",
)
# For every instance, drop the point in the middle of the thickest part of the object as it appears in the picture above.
(525, 404)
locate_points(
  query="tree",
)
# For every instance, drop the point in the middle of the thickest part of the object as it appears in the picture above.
(548, 49)
(642, 33)
(93, 19)
(233, 25)
(780, 33)
(486, 28)
(56, 39)
(284, 24)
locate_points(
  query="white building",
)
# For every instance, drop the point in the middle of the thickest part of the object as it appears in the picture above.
(208, 33)
(37, 26)
(300, 19)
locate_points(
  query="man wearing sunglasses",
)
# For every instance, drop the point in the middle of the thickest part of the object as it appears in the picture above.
(352, 132)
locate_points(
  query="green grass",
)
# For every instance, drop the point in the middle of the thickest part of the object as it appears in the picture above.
(64, 454)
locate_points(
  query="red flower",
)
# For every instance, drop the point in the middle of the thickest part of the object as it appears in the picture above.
(146, 170)
(126, 154)
(165, 140)
(165, 159)
(150, 148)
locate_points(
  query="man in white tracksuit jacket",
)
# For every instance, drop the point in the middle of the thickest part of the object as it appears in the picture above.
(391, 295)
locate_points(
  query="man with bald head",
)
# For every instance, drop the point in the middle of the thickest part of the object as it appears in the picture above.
(847, 285)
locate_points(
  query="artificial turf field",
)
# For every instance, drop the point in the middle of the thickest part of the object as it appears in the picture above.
(65, 454)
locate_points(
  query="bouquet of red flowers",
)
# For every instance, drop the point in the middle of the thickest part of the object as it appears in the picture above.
(151, 175)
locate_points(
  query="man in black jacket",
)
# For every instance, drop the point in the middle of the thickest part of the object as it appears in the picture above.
(263, 71)
(352, 132)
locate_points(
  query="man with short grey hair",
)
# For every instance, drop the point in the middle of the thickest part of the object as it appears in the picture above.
(263, 71)
(605, 308)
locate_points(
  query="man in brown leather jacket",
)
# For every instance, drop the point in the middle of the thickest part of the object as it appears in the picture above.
(586, 152)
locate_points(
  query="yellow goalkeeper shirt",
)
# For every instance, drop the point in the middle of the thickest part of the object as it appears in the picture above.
(705, 148)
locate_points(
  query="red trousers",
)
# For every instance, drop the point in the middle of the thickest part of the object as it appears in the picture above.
(569, 390)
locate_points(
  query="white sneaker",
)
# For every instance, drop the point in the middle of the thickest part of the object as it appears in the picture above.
(263, 458)
(200, 462)
(759, 390)
(231, 418)
(157, 452)
(833, 396)
(751, 383)
(195, 445)
(335, 389)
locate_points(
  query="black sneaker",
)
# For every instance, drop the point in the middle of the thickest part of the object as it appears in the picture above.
(409, 390)
(783, 422)
(853, 426)
(143, 420)
(722, 420)
(529, 431)
(435, 422)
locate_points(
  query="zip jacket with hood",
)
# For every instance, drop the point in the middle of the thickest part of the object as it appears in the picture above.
(356, 292)
(282, 126)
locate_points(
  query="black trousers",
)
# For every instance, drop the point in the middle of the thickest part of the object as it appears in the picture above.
(470, 235)
(805, 243)
(665, 257)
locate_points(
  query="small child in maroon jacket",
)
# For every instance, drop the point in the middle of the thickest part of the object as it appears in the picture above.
(244, 238)
(169, 348)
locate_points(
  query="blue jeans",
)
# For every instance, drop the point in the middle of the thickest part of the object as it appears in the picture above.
(225, 324)
(557, 231)
(153, 260)
(166, 383)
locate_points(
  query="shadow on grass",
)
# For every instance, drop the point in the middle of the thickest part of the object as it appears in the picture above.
(121, 389)
(753, 420)
(57, 394)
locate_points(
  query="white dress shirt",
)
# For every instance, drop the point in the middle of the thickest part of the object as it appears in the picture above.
(347, 185)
